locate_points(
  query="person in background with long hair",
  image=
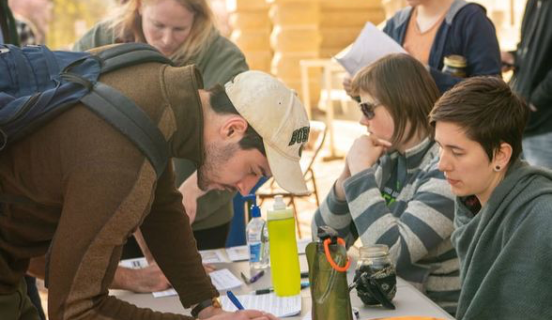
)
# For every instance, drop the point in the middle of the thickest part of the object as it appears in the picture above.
(183, 30)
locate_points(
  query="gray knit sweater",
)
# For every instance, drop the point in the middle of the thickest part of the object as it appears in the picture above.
(505, 249)
(403, 201)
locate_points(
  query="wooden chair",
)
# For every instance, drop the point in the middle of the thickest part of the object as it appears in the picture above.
(317, 136)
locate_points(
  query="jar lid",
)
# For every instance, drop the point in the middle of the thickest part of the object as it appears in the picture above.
(455, 61)
(374, 251)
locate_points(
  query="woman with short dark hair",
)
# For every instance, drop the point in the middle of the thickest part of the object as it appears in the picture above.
(503, 206)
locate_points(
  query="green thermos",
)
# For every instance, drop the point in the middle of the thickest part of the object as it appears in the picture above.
(328, 264)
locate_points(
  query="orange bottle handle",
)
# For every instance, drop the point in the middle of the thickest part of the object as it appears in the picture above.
(329, 256)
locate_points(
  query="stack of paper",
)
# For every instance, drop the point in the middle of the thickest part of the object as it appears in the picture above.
(278, 306)
(207, 256)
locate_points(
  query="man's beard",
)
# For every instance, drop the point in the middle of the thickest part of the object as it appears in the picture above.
(216, 155)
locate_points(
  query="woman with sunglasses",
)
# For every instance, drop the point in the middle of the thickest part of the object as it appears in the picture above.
(503, 206)
(390, 190)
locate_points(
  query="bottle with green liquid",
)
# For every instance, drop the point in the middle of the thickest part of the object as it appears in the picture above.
(284, 259)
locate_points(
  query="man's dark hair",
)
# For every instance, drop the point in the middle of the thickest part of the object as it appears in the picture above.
(488, 112)
(221, 104)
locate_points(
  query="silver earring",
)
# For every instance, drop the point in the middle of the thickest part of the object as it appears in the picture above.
(497, 168)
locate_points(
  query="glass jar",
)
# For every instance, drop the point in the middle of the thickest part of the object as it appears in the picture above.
(455, 65)
(375, 277)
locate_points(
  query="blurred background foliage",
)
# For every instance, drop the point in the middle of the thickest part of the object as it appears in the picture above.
(60, 22)
(72, 18)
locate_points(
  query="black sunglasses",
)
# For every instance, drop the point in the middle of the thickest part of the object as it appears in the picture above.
(367, 109)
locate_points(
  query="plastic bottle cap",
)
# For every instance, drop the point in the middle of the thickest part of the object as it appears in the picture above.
(279, 210)
(255, 211)
(279, 203)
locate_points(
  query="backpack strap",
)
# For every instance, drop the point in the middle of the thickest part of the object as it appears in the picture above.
(128, 55)
(131, 121)
(37, 101)
(118, 110)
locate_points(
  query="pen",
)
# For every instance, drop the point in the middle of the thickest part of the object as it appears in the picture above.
(263, 291)
(269, 290)
(257, 276)
(234, 300)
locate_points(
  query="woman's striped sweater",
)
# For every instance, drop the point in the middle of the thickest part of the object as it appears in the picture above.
(405, 202)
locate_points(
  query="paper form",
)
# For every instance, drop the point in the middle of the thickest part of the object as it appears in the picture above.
(212, 256)
(278, 306)
(222, 280)
(239, 253)
(137, 263)
(369, 46)
(207, 256)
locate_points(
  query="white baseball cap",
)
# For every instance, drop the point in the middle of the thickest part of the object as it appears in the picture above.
(275, 112)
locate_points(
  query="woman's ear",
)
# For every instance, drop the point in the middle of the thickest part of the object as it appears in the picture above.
(233, 128)
(502, 156)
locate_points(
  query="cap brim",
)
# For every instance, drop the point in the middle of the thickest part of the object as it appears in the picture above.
(287, 172)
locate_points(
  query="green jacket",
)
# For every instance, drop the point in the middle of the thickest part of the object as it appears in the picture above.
(505, 249)
(219, 63)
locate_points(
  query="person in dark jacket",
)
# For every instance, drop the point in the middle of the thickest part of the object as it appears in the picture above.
(532, 64)
(433, 30)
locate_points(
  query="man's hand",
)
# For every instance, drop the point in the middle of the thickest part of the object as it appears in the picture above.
(366, 151)
(148, 279)
(190, 193)
(238, 315)
(209, 268)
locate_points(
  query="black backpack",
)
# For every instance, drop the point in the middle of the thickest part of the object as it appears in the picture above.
(37, 84)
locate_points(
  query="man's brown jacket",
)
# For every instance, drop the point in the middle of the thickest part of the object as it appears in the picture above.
(93, 188)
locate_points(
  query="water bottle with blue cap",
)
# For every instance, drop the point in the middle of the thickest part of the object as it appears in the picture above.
(257, 238)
